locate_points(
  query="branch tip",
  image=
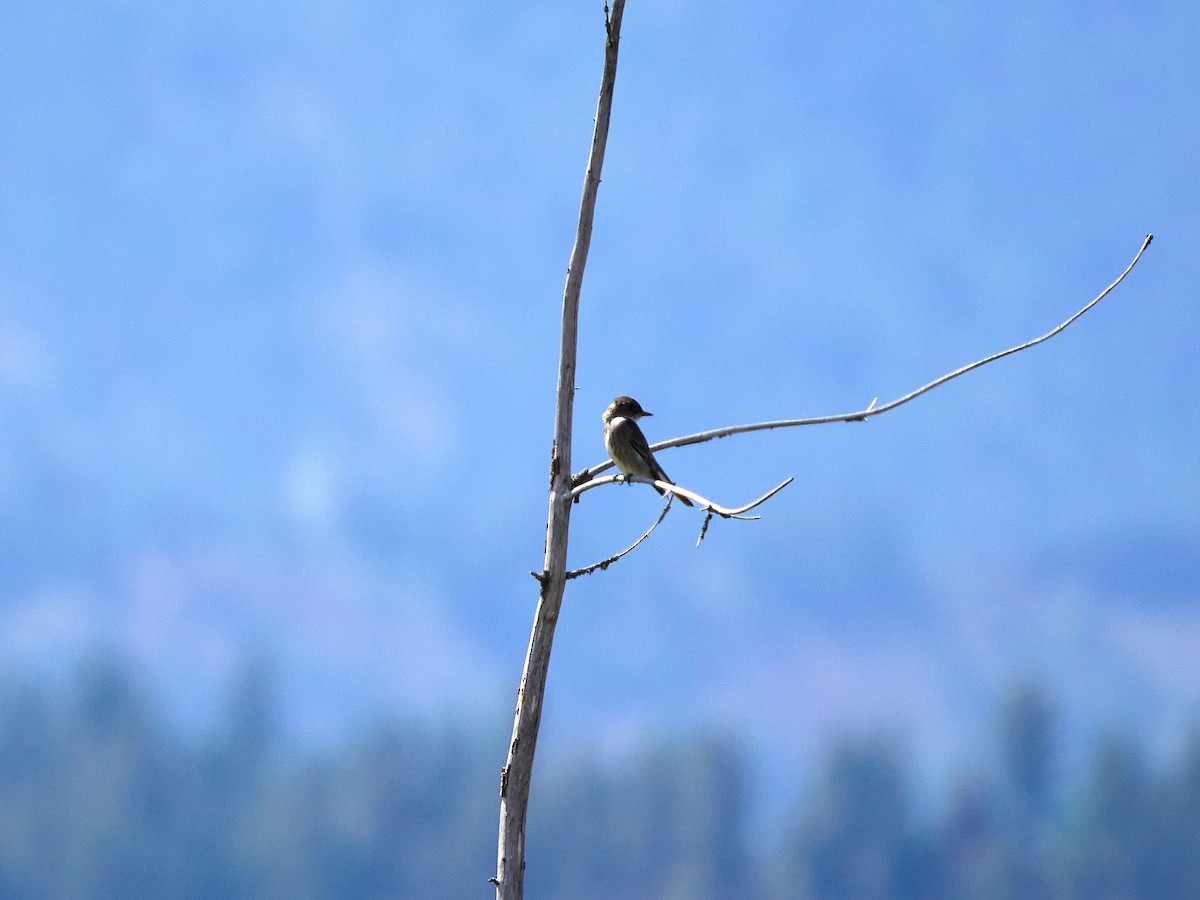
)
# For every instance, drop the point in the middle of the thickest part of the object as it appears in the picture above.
(875, 409)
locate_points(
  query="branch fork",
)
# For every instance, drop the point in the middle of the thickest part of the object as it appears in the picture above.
(671, 488)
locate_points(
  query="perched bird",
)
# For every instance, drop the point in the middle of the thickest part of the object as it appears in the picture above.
(626, 444)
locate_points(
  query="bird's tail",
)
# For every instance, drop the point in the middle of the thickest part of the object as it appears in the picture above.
(682, 499)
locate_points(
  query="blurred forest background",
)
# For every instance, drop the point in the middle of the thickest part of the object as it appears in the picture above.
(101, 798)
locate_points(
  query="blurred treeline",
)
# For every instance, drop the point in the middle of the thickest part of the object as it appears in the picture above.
(100, 797)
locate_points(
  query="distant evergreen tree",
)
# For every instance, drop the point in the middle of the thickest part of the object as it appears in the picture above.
(1177, 868)
(854, 840)
(1029, 749)
(668, 824)
(95, 783)
(411, 814)
(30, 752)
(1114, 845)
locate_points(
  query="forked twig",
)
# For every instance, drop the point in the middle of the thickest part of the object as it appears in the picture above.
(702, 502)
(672, 490)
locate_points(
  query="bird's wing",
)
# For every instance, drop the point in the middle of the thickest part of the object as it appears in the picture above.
(637, 441)
(628, 430)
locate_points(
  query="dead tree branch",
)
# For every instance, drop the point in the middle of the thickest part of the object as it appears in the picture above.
(707, 506)
(872, 408)
(517, 773)
(671, 488)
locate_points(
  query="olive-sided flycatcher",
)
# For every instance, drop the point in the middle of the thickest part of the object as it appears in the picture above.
(627, 446)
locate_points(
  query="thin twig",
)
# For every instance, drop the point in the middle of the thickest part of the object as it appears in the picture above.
(702, 502)
(672, 490)
(872, 409)
(605, 563)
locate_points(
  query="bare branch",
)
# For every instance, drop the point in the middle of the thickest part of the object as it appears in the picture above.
(672, 490)
(702, 502)
(872, 409)
(605, 563)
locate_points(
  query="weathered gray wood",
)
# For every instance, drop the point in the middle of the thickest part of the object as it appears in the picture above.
(517, 773)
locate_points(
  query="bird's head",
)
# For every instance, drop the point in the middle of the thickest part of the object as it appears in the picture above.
(626, 408)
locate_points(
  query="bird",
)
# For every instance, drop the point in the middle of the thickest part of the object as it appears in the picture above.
(627, 446)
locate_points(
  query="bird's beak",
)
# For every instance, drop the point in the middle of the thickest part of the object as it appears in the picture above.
(644, 413)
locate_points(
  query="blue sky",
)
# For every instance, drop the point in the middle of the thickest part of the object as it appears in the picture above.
(279, 294)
